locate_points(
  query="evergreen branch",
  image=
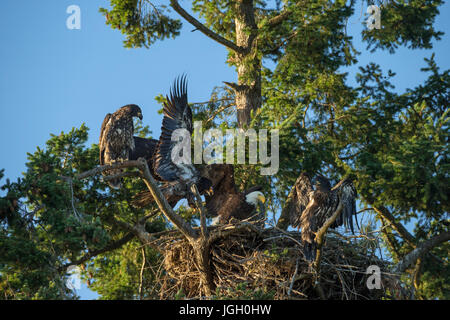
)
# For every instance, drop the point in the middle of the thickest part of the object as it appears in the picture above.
(285, 14)
(109, 247)
(206, 31)
(139, 231)
(150, 182)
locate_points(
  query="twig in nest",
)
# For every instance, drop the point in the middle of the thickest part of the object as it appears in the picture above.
(199, 204)
(293, 277)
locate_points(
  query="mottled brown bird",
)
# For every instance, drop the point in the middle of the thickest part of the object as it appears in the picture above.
(116, 139)
(310, 208)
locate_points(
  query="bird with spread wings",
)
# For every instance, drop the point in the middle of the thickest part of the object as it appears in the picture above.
(176, 177)
(311, 207)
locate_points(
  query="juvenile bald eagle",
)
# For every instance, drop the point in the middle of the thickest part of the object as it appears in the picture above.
(312, 207)
(227, 202)
(177, 178)
(116, 139)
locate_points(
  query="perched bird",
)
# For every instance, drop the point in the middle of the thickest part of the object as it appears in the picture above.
(310, 208)
(116, 139)
(227, 202)
(177, 178)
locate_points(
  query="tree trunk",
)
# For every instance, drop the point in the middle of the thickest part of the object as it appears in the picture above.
(248, 63)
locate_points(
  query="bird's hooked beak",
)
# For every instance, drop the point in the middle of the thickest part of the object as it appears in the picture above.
(261, 198)
(140, 115)
(210, 191)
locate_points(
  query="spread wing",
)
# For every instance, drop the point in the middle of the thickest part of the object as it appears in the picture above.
(102, 142)
(177, 115)
(252, 189)
(347, 193)
(143, 148)
(299, 198)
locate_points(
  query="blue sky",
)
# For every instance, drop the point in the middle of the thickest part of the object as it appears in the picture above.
(53, 78)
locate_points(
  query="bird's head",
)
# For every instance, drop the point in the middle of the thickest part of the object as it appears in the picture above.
(322, 183)
(255, 198)
(133, 110)
(205, 186)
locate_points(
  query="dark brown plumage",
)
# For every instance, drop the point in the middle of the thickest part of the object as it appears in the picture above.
(310, 208)
(116, 139)
(176, 178)
(144, 148)
(227, 202)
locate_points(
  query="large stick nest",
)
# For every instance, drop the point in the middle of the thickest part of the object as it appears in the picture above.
(251, 262)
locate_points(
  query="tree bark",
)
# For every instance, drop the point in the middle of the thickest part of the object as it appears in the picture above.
(248, 63)
(421, 250)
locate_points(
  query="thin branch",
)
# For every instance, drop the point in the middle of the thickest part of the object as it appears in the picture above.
(384, 213)
(220, 110)
(150, 182)
(274, 21)
(293, 277)
(141, 275)
(320, 235)
(109, 247)
(139, 231)
(201, 208)
(178, 221)
(212, 100)
(420, 251)
(99, 169)
(206, 31)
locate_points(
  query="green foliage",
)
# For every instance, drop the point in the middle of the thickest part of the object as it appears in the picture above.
(394, 144)
(142, 22)
(405, 23)
(46, 222)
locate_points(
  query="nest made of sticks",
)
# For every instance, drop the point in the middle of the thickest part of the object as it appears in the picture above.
(257, 263)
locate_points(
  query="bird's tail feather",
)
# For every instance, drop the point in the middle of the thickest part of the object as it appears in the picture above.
(145, 198)
(309, 251)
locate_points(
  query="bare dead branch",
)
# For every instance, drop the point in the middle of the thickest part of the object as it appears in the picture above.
(166, 209)
(201, 208)
(387, 215)
(100, 169)
(141, 275)
(206, 31)
(421, 250)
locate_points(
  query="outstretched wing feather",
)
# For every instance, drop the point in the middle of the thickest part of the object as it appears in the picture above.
(300, 200)
(177, 115)
(347, 193)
